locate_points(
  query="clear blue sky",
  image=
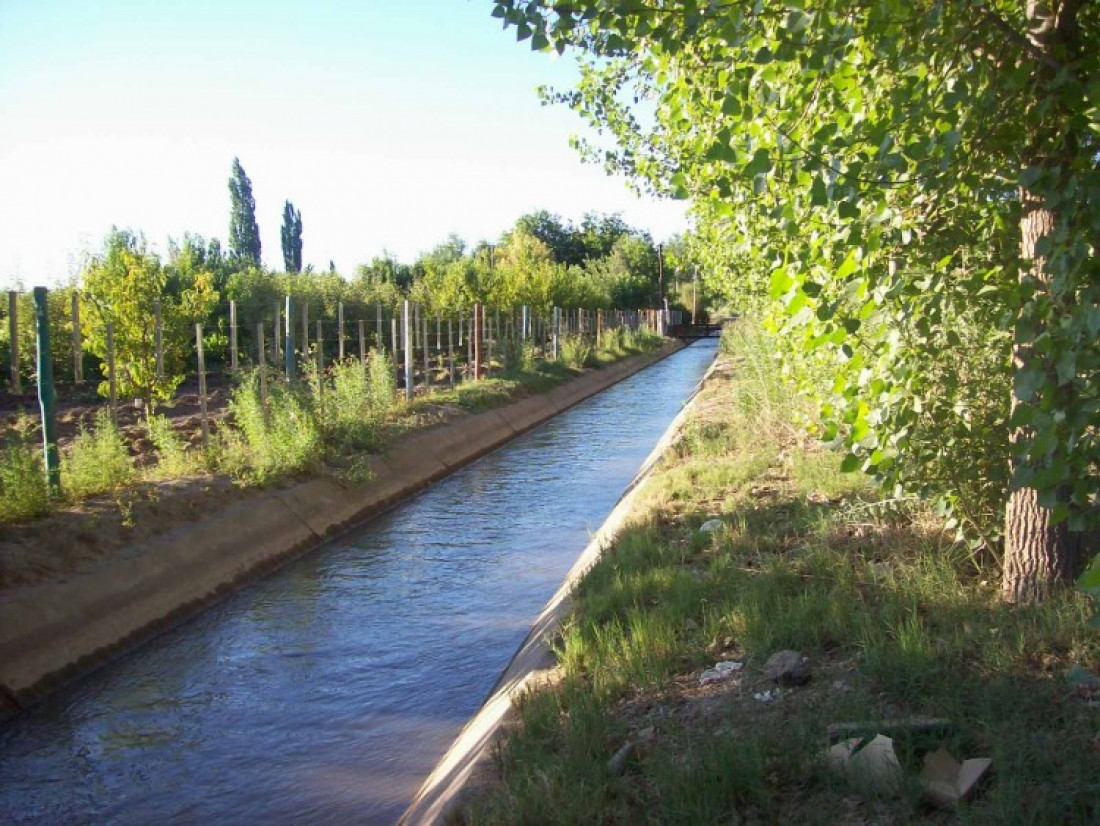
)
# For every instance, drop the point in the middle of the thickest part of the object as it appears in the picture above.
(388, 123)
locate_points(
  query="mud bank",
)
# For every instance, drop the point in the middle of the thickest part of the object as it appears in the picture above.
(56, 631)
(469, 758)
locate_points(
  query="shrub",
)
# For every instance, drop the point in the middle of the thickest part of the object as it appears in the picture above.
(23, 491)
(97, 461)
(174, 456)
(282, 440)
(576, 351)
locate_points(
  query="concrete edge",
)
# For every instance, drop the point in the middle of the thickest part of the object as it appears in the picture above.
(441, 794)
(57, 632)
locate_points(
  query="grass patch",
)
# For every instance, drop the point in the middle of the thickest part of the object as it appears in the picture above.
(893, 614)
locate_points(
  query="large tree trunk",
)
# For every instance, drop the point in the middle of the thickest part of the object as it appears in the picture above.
(1033, 559)
(1038, 553)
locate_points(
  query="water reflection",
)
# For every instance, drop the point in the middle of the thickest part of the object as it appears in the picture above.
(326, 692)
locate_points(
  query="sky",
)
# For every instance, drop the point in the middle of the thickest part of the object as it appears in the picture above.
(388, 123)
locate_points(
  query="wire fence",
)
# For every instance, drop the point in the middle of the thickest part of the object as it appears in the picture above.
(426, 348)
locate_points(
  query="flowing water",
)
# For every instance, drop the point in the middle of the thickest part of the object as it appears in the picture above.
(327, 691)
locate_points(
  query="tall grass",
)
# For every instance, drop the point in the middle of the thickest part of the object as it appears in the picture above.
(174, 457)
(890, 610)
(576, 351)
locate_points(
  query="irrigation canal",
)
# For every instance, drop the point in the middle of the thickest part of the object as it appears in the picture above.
(327, 691)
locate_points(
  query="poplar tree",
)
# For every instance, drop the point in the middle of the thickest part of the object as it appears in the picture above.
(889, 174)
(244, 232)
(292, 238)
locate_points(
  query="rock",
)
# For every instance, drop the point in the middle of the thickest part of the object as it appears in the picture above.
(787, 668)
(617, 764)
(710, 526)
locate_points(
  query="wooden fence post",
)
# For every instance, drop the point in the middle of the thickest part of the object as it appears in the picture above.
(78, 342)
(203, 416)
(276, 339)
(363, 342)
(46, 395)
(111, 371)
(233, 336)
(13, 341)
(406, 341)
(340, 330)
(262, 367)
(158, 338)
(451, 351)
(476, 338)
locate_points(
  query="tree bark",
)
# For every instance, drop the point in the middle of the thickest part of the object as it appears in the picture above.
(1038, 553)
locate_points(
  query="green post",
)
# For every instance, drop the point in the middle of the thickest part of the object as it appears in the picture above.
(288, 349)
(46, 396)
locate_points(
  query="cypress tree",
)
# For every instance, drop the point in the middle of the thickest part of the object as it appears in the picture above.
(292, 238)
(244, 233)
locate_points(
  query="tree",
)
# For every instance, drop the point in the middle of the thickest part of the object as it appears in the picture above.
(564, 241)
(292, 238)
(891, 172)
(120, 287)
(244, 232)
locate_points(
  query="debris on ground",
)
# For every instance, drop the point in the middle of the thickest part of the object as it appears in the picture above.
(868, 765)
(710, 526)
(946, 781)
(871, 764)
(721, 671)
(617, 764)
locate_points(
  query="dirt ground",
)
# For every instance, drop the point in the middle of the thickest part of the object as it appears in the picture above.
(83, 535)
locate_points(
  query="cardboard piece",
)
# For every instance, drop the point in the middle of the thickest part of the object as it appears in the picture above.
(946, 781)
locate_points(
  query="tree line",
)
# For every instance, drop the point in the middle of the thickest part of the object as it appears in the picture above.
(542, 261)
(906, 192)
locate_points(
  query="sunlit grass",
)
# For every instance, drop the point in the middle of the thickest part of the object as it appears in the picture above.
(881, 599)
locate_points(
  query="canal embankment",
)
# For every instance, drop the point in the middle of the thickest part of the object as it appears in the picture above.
(466, 767)
(768, 639)
(54, 631)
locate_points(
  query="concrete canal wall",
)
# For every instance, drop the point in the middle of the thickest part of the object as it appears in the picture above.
(54, 632)
(469, 757)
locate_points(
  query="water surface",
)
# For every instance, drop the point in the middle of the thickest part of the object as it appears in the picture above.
(328, 691)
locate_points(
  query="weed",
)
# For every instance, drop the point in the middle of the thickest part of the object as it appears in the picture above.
(174, 457)
(97, 461)
(576, 351)
(269, 441)
(23, 491)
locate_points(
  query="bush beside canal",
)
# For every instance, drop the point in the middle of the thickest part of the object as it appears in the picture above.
(896, 617)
